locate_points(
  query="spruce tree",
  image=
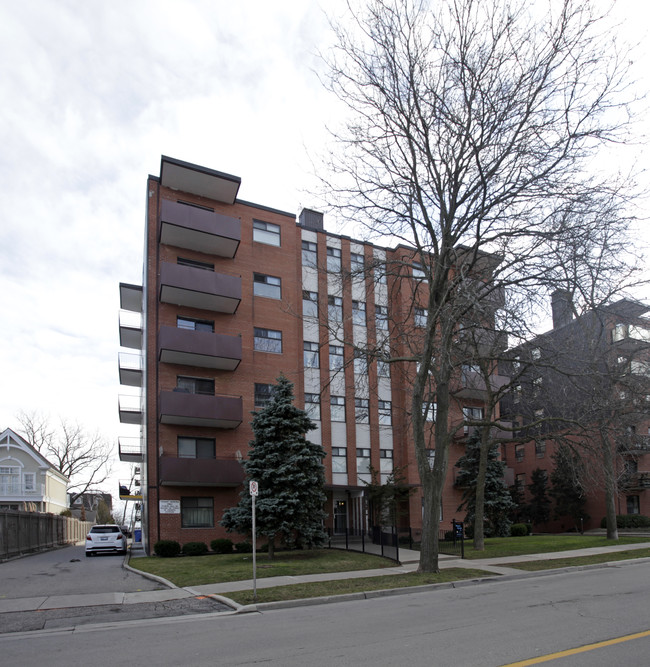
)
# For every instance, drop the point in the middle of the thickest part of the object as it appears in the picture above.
(498, 503)
(539, 508)
(290, 475)
(566, 486)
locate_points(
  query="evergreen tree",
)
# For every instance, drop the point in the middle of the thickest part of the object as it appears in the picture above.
(539, 508)
(290, 474)
(498, 503)
(566, 486)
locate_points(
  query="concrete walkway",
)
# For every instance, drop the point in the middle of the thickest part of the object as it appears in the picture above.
(409, 563)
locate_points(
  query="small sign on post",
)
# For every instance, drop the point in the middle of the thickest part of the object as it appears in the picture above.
(253, 488)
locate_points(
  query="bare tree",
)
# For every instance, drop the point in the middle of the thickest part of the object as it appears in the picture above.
(473, 126)
(82, 456)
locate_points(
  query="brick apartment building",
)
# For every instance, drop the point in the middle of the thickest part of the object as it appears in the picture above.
(233, 295)
(594, 370)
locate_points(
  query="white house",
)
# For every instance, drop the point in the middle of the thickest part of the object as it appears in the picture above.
(28, 481)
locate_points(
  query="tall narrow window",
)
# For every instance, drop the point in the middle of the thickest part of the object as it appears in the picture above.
(381, 273)
(309, 256)
(420, 317)
(363, 461)
(309, 304)
(336, 357)
(360, 362)
(361, 410)
(337, 408)
(333, 260)
(359, 313)
(310, 354)
(381, 317)
(339, 459)
(312, 406)
(335, 308)
(385, 415)
(357, 263)
(418, 271)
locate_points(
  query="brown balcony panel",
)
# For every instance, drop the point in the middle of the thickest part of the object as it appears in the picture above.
(200, 472)
(639, 481)
(190, 227)
(129, 414)
(472, 385)
(199, 348)
(198, 288)
(500, 433)
(200, 410)
(188, 177)
(130, 450)
(131, 297)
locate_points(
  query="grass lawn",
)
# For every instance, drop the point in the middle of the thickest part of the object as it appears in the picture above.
(535, 565)
(217, 568)
(324, 588)
(497, 547)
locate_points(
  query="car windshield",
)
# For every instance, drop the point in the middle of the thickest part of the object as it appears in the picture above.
(104, 529)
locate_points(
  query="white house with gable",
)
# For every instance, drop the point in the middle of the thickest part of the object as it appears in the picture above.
(28, 481)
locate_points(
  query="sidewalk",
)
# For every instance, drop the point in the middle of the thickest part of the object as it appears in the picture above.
(409, 563)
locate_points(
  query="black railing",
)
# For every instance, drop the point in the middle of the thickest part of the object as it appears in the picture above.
(452, 542)
(379, 540)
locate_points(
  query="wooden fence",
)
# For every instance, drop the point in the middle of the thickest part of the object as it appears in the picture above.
(25, 532)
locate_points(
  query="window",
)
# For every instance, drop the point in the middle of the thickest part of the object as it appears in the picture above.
(268, 340)
(266, 232)
(535, 354)
(189, 385)
(29, 482)
(418, 271)
(336, 358)
(633, 504)
(263, 394)
(539, 414)
(310, 354)
(357, 263)
(337, 408)
(361, 410)
(540, 448)
(383, 368)
(309, 254)
(471, 415)
(268, 286)
(194, 264)
(335, 308)
(196, 448)
(333, 260)
(420, 317)
(640, 368)
(520, 481)
(517, 395)
(429, 410)
(381, 273)
(312, 406)
(359, 313)
(385, 416)
(431, 455)
(9, 480)
(381, 318)
(309, 304)
(520, 453)
(197, 513)
(339, 459)
(363, 461)
(386, 460)
(194, 325)
(537, 385)
(360, 362)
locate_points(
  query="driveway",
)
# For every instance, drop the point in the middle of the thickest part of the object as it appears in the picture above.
(67, 571)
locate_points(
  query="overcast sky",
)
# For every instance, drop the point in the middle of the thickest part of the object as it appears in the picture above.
(92, 94)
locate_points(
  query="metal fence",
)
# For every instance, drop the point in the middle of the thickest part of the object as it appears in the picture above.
(452, 542)
(380, 540)
(24, 532)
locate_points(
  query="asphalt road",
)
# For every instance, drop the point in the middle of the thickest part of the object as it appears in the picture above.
(485, 624)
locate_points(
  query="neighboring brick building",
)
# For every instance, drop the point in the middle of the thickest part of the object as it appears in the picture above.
(594, 371)
(233, 295)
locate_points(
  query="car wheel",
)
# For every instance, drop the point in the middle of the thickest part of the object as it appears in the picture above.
(88, 554)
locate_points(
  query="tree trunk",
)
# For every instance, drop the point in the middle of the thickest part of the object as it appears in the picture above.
(479, 503)
(271, 546)
(610, 488)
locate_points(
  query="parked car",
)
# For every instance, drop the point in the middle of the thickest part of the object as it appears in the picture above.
(104, 539)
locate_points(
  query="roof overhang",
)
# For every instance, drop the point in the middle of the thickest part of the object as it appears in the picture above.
(197, 180)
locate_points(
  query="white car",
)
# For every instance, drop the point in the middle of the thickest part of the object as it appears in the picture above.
(105, 538)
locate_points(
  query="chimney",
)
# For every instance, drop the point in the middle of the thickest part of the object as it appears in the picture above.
(311, 219)
(562, 308)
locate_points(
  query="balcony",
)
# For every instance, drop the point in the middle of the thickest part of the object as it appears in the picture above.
(130, 330)
(129, 490)
(502, 433)
(200, 472)
(130, 450)
(131, 297)
(130, 367)
(638, 481)
(197, 229)
(11, 489)
(198, 288)
(200, 410)
(199, 348)
(635, 444)
(130, 409)
(472, 384)
(188, 177)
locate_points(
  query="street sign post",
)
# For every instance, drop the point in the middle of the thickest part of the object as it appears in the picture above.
(253, 491)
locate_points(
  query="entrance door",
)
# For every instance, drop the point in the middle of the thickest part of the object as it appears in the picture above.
(340, 517)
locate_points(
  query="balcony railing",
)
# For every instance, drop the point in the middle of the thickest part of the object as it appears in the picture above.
(130, 330)
(200, 472)
(10, 488)
(635, 444)
(130, 367)
(131, 297)
(130, 409)
(197, 229)
(198, 288)
(130, 450)
(199, 348)
(200, 410)
(637, 481)
(472, 384)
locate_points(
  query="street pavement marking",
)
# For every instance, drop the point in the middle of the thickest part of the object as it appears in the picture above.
(574, 651)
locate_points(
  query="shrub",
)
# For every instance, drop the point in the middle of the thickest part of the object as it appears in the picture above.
(629, 521)
(529, 529)
(167, 548)
(518, 530)
(244, 548)
(195, 549)
(221, 546)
